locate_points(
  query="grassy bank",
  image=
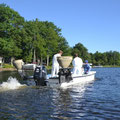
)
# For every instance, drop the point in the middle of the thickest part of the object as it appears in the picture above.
(106, 66)
(7, 67)
(111, 66)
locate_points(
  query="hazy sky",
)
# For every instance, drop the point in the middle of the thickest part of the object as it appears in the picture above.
(94, 23)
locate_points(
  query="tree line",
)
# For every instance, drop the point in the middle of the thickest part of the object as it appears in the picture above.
(39, 40)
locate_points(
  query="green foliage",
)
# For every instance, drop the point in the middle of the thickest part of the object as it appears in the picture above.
(107, 58)
(7, 66)
(8, 48)
(20, 39)
(81, 51)
(10, 26)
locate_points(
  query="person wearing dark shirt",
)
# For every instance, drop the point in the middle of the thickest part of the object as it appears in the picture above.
(87, 67)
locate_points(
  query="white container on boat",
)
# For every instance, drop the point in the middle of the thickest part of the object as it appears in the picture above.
(64, 61)
(18, 64)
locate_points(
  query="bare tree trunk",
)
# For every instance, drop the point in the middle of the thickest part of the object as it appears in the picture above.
(47, 60)
(12, 59)
(38, 61)
(41, 61)
(1, 61)
(34, 57)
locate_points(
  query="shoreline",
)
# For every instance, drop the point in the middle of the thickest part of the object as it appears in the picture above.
(106, 67)
(14, 69)
(8, 69)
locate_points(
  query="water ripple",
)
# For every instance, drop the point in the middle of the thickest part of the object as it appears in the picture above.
(96, 100)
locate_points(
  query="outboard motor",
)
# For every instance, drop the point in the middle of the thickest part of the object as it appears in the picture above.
(64, 72)
(65, 75)
(40, 75)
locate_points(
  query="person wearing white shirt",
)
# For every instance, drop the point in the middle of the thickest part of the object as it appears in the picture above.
(77, 65)
(55, 64)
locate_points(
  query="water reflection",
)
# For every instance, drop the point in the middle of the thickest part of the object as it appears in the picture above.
(34, 102)
(91, 100)
(68, 102)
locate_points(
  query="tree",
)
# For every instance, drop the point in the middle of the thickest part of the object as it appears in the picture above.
(6, 48)
(81, 50)
(10, 27)
(113, 57)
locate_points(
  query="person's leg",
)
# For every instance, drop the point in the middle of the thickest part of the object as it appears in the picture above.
(53, 71)
(57, 70)
(74, 71)
(80, 71)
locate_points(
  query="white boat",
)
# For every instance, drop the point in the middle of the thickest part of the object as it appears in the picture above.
(39, 74)
(75, 79)
(29, 66)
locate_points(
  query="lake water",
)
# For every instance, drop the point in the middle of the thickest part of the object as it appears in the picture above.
(95, 100)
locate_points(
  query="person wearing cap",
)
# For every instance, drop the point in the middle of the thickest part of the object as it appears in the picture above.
(87, 67)
(55, 64)
(77, 65)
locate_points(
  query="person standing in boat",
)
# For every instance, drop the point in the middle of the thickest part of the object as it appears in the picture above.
(55, 64)
(87, 67)
(77, 65)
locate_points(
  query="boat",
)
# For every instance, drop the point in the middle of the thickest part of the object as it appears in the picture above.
(64, 77)
(75, 79)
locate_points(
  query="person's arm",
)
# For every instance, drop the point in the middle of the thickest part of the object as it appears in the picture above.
(88, 68)
(73, 62)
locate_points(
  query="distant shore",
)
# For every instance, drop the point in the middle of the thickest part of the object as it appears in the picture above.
(14, 69)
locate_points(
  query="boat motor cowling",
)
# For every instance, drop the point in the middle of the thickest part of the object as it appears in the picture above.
(40, 75)
(64, 72)
(64, 75)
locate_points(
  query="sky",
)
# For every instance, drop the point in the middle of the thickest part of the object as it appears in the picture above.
(94, 23)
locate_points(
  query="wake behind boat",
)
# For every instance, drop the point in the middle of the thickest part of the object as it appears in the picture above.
(65, 76)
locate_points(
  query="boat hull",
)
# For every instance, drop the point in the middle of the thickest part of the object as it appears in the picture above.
(75, 80)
